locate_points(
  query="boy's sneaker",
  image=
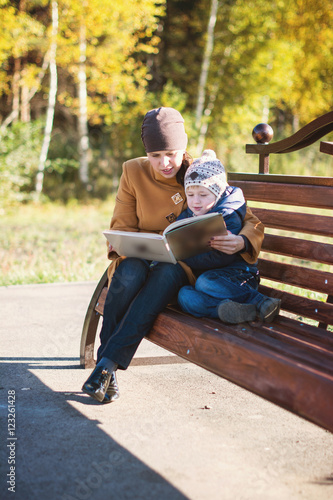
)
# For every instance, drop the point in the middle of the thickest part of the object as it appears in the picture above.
(234, 312)
(269, 309)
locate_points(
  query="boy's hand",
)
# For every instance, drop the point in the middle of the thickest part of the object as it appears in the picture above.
(229, 243)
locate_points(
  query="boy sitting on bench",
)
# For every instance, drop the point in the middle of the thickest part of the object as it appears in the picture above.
(226, 285)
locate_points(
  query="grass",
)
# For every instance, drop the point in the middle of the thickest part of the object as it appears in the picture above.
(48, 243)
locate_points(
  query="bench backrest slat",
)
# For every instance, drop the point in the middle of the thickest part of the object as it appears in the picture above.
(301, 249)
(302, 306)
(295, 221)
(288, 194)
(311, 279)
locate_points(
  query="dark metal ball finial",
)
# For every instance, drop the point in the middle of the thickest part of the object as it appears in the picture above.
(262, 133)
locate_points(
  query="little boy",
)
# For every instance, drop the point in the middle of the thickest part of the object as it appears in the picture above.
(226, 285)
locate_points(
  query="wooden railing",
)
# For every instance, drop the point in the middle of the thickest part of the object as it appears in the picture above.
(310, 133)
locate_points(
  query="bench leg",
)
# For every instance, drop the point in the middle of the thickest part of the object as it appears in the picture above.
(90, 327)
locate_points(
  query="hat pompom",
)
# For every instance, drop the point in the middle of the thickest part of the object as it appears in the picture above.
(207, 155)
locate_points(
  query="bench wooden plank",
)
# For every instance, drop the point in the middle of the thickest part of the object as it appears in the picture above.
(326, 147)
(308, 333)
(279, 179)
(301, 249)
(309, 336)
(304, 307)
(297, 194)
(318, 281)
(317, 356)
(294, 221)
(101, 301)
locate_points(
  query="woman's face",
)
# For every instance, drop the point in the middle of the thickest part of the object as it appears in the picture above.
(166, 163)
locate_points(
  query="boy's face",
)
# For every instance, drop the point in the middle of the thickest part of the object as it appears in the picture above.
(200, 199)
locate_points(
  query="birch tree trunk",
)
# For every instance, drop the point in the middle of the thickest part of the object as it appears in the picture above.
(205, 64)
(51, 101)
(211, 103)
(25, 103)
(83, 116)
(16, 89)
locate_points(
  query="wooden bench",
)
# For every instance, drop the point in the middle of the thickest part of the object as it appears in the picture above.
(290, 361)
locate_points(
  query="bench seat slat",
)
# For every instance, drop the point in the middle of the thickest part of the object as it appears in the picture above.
(293, 385)
(296, 194)
(272, 337)
(294, 221)
(306, 332)
(289, 329)
(310, 279)
(276, 337)
(301, 249)
(304, 307)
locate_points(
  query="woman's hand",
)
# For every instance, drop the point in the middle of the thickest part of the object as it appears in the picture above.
(111, 249)
(229, 243)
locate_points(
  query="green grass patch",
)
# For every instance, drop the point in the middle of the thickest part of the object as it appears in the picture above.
(48, 243)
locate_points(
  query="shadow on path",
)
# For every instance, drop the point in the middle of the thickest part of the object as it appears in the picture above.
(59, 452)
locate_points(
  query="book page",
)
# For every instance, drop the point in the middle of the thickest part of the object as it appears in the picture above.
(192, 239)
(150, 246)
(188, 220)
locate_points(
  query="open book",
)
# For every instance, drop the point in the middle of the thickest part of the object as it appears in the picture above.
(180, 240)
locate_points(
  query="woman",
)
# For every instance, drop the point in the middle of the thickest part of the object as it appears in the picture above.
(150, 196)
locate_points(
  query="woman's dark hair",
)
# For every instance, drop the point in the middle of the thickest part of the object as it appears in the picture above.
(187, 160)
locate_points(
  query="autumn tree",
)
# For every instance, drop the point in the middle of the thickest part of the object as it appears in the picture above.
(20, 35)
(307, 26)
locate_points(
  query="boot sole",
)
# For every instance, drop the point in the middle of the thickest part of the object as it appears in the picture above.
(95, 395)
(233, 312)
(268, 318)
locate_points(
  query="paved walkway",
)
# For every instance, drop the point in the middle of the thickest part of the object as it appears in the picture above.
(177, 432)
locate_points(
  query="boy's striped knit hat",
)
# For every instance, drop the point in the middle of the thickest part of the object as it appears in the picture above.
(208, 172)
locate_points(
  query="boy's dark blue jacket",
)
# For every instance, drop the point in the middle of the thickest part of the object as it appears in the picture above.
(233, 208)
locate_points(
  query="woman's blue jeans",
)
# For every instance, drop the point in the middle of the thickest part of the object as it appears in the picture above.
(212, 287)
(137, 294)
